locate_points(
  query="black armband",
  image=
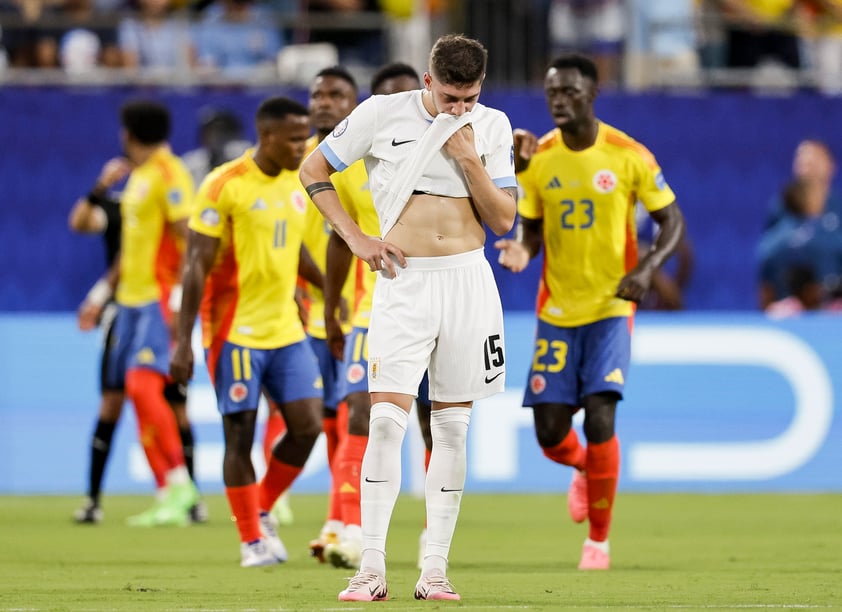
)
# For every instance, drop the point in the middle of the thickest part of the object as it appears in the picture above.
(97, 200)
(318, 188)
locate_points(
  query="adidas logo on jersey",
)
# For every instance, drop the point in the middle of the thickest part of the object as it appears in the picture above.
(615, 376)
(554, 184)
(259, 204)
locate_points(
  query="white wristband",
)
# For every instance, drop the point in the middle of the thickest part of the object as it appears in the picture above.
(175, 298)
(100, 293)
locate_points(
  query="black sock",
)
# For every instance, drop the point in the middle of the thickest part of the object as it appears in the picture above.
(100, 448)
(186, 434)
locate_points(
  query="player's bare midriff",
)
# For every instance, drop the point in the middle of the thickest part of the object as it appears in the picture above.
(435, 226)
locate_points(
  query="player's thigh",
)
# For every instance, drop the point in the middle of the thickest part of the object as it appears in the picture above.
(553, 374)
(293, 381)
(468, 362)
(606, 354)
(151, 341)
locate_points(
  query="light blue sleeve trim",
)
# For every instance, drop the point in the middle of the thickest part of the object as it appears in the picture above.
(506, 181)
(331, 157)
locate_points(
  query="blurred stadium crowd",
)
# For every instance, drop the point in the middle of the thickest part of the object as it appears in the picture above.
(638, 44)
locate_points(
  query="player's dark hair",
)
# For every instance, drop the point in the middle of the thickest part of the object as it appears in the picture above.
(219, 118)
(458, 60)
(340, 72)
(146, 121)
(278, 108)
(583, 64)
(392, 71)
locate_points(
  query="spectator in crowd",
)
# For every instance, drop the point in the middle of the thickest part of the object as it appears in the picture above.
(807, 234)
(358, 46)
(153, 38)
(237, 37)
(824, 18)
(758, 30)
(595, 27)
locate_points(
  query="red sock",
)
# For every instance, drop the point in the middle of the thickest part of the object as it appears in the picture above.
(427, 454)
(145, 389)
(341, 420)
(243, 502)
(279, 476)
(275, 427)
(334, 509)
(568, 452)
(156, 459)
(349, 465)
(603, 470)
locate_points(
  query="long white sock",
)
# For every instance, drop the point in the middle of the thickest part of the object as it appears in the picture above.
(380, 481)
(444, 484)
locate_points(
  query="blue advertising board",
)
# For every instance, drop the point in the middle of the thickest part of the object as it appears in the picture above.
(714, 402)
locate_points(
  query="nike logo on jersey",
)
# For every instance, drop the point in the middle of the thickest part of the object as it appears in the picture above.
(367, 479)
(443, 490)
(397, 143)
(491, 379)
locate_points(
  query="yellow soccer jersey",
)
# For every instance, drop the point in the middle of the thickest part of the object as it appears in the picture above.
(250, 293)
(352, 187)
(316, 236)
(158, 192)
(586, 200)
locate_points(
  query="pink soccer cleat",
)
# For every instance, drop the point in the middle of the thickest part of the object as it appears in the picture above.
(435, 587)
(365, 586)
(593, 558)
(577, 497)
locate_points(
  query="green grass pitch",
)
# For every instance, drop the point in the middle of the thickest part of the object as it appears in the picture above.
(511, 552)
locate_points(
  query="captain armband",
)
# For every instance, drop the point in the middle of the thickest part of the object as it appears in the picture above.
(315, 188)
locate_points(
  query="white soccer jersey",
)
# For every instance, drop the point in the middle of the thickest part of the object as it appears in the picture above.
(384, 131)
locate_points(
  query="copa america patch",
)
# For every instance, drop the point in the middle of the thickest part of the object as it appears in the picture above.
(537, 383)
(355, 373)
(340, 128)
(238, 392)
(604, 181)
(374, 368)
(210, 217)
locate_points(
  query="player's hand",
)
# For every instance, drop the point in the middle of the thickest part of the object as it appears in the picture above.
(513, 255)
(181, 363)
(461, 145)
(378, 254)
(113, 171)
(634, 285)
(526, 143)
(88, 315)
(335, 337)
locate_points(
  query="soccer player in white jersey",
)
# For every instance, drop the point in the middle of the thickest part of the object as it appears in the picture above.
(440, 165)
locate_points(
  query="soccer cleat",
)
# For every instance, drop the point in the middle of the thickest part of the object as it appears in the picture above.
(282, 510)
(422, 548)
(271, 537)
(345, 554)
(256, 554)
(593, 558)
(317, 546)
(577, 497)
(435, 587)
(365, 586)
(90, 513)
(198, 512)
(160, 515)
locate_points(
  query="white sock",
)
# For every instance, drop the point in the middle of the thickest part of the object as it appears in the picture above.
(178, 476)
(603, 546)
(380, 481)
(444, 484)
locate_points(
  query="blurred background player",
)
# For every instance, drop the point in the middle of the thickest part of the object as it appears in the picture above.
(583, 339)
(157, 198)
(221, 139)
(333, 95)
(244, 257)
(354, 193)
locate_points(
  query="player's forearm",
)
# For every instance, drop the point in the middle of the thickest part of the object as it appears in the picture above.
(528, 233)
(496, 207)
(308, 270)
(193, 285)
(338, 262)
(669, 236)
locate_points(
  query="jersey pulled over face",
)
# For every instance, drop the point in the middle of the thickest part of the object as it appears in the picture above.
(250, 293)
(586, 200)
